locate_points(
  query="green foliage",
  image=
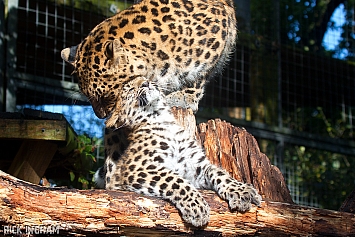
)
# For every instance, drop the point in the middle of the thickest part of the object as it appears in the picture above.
(316, 121)
(301, 22)
(83, 162)
(347, 43)
(76, 169)
(328, 177)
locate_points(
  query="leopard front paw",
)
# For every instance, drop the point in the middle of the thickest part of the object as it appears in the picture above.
(242, 198)
(183, 100)
(195, 211)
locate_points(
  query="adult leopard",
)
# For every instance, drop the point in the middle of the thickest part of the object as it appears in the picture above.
(177, 44)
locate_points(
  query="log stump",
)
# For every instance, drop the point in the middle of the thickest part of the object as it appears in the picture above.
(237, 151)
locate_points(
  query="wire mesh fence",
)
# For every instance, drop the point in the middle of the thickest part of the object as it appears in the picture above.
(290, 81)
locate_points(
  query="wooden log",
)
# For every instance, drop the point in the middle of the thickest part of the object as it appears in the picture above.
(99, 212)
(237, 151)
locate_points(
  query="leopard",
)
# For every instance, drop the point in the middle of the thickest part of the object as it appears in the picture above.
(178, 44)
(163, 160)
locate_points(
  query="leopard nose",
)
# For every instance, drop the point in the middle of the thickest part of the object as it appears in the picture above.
(145, 84)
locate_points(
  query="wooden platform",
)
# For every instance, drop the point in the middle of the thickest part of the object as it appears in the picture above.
(30, 140)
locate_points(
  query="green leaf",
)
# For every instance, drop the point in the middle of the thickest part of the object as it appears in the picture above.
(82, 180)
(72, 176)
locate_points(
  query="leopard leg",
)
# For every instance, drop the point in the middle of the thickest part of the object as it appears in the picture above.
(188, 97)
(151, 179)
(115, 144)
(202, 174)
(239, 195)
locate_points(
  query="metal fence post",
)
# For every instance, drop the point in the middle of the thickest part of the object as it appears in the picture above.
(11, 40)
(2, 56)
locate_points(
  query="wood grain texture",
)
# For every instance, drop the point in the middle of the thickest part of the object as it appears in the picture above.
(33, 129)
(95, 212)
(32, 160)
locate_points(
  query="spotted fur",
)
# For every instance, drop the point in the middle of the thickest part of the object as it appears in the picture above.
(178, 44)
(162, 160)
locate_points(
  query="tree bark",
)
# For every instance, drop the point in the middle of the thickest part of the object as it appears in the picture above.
(237, 151)
(100, 212)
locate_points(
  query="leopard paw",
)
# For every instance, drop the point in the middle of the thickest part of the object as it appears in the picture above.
(183, 100)
(195, 211)
(242, 198)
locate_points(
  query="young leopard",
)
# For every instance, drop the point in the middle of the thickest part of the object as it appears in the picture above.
(177, 44)
(162, 160)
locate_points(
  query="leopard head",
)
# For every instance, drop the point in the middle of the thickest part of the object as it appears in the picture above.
(177, 44)
(140, 99)
(102, 64)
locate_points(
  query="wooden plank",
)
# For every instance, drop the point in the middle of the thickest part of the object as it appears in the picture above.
(33, 129)
(39, 114)
(32, 160)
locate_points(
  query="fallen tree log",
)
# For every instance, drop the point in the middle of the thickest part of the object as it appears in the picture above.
(100, 212)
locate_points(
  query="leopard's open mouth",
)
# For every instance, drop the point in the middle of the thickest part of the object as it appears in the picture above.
(100, 108)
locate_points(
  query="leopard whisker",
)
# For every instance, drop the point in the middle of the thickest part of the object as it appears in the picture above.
(74, 95)
(163, 87)
(73, 72)
(121, 126)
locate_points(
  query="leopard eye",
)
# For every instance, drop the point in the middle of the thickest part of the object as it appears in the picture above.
(109, 50)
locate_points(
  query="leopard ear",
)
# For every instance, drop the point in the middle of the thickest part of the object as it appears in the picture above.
(109, 50)
(115, 52)
(68, 54)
